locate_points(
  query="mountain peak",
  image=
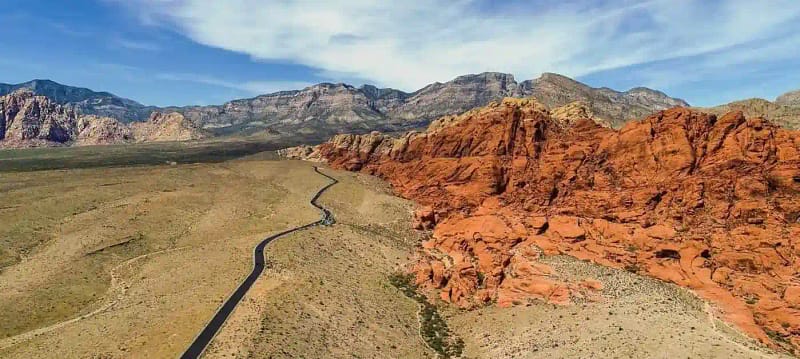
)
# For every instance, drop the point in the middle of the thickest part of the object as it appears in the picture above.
(84, 100)
(554, 77)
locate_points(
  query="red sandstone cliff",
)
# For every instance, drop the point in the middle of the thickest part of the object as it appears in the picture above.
(709, 203)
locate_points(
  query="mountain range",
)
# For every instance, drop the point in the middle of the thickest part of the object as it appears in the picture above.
(319, 111)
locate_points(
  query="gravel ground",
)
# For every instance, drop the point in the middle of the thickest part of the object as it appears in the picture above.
(638, 317)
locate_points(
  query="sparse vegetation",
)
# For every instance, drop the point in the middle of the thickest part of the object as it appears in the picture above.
(633, 268)
(35, 159)
(433, 328)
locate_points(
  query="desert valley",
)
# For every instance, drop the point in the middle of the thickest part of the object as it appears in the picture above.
(524, 227)
(433, 179)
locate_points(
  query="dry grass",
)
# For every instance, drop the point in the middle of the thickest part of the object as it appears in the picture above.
(328, 293)
(67, 232)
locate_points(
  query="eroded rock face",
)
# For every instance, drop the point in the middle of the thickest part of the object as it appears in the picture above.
(94, 130)
(709, 203)
(33, 120)
(28, 120)
(166, 127)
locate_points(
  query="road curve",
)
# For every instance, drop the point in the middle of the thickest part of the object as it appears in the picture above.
(212, 328)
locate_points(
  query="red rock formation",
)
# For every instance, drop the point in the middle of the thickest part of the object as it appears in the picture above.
(708, 203)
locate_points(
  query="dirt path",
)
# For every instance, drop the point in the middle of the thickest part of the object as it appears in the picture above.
(117, 285)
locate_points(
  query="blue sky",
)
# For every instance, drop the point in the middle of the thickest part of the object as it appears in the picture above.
(181, 52)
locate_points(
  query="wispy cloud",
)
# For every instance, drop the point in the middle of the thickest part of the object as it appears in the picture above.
(414, 42)
(137, 45)
(250, 87)
(22, 18)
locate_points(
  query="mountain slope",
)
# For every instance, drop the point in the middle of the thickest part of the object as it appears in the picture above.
(30, 120)
(84, 100)
(615, 107)
(784, 111)
(791, 98)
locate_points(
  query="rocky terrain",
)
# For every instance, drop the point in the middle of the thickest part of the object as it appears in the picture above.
(784, 111)
(29, 120)
(317, 112)
(708, 202)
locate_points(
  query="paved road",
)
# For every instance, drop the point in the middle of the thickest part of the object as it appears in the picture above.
(207, 335)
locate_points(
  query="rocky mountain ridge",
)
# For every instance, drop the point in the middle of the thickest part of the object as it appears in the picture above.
(326, 109)
(703, 201)
(85, 101)
(317, 112)
(784, 111)
(29, 120)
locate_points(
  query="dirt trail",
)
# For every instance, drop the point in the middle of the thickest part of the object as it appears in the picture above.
(117, 285)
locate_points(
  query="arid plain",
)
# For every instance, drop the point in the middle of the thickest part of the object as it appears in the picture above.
(119, 262)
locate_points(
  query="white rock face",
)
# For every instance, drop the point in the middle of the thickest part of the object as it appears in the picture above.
(28, 120)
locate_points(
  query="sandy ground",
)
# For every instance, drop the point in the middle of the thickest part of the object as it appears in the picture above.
(79, 241)
(637, 317)
(132, 262)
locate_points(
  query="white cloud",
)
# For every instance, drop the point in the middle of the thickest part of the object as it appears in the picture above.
(251, 87)
(738, 61)
(411, 43)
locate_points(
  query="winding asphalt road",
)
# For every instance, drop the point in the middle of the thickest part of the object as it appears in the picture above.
(212, 328)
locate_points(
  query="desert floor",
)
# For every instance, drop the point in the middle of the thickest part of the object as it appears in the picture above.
(133, 261)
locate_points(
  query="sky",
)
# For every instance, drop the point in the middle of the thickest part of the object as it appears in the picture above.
(183, 52)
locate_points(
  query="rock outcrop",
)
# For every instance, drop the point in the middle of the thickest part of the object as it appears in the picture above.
(302, 152)
(93, 130)
(166, 127)
(29, 120)
(711, 203)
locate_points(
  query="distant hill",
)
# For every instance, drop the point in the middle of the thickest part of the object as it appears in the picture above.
(784, 111)
(791, 98)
